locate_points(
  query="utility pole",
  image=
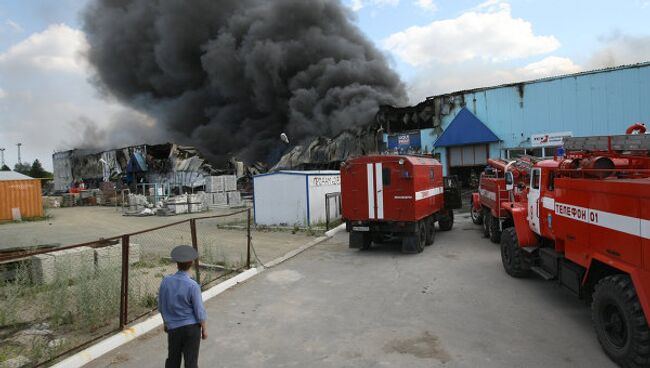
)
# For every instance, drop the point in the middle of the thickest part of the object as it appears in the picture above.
(19, 144)
(2, 156)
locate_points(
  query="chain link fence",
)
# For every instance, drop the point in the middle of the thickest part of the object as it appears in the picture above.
(53, 302)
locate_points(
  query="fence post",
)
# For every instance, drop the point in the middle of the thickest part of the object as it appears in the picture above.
(124, 292)
(195, 245)
(327, 211)
(248, 240)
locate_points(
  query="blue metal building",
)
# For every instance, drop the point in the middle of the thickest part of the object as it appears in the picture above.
(464, 128)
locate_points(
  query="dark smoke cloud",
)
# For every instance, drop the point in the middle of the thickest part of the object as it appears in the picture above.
(620, 48)
(230, 76)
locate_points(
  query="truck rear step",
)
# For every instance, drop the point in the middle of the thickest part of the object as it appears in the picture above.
(540, 271)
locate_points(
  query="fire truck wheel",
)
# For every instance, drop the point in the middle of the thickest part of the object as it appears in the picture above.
(477, 216)
(620, 323)
(512, 256)
(446, 222)
(431, 231)
(487, 216)
(494, 230)
(421, 237)
(415, 241)
(360, 240)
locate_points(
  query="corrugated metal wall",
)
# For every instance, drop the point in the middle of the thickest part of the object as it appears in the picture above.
(599, 103)
(23, 194)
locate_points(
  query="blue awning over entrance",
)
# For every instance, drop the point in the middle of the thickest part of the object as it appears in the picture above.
(465, 129)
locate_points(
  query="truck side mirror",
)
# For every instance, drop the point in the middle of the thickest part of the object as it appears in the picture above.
(510, 181)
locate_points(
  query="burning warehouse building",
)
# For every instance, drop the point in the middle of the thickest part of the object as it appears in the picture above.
(168, 164)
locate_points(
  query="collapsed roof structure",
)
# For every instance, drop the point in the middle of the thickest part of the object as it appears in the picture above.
(327, 154)
(171, 164)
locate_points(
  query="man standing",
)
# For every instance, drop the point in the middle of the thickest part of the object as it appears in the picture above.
(181, 307)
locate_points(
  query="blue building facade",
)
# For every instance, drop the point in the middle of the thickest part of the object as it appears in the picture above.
(527, 118)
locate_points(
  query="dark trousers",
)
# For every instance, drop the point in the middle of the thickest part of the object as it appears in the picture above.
(183, 340)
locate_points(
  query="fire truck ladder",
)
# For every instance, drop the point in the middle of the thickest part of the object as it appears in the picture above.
(629, 142)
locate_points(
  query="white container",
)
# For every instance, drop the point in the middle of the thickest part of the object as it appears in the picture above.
(293, 197)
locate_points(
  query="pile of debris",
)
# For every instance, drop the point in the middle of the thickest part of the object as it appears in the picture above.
(220, 192)
(175, 165)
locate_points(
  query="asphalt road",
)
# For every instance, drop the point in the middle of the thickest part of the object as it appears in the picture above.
(451, 306)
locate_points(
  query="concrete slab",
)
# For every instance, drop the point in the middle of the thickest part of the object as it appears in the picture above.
(451, 306)
(47, 267)
(111, 257)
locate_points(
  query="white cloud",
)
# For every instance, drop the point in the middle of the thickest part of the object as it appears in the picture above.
(58, 48)
(357, 5)
(14, 26)
(455, 77)
(488, 33)
(551, 65)
(45, 94)
(427, 5)
(491, 6)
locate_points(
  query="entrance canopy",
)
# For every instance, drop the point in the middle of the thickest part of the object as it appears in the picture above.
(465, 129)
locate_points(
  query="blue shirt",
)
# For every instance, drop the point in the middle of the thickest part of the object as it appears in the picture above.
(179, 301)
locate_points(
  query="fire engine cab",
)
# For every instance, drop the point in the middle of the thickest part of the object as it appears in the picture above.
(485, 206)
(385, 196)
(584, 221)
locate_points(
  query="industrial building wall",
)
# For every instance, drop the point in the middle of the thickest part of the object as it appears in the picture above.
(62, 164)
(600, 103)
(280, 199)
(22, 194)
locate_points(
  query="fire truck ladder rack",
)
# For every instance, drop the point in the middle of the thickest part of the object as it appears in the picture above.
(630, 142)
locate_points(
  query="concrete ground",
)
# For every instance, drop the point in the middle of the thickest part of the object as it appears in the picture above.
(451, 306)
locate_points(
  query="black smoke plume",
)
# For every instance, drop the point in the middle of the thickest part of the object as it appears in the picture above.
(230, 76)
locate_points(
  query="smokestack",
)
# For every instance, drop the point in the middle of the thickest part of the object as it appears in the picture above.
(229, 76)
(19, 144)
(2, 156)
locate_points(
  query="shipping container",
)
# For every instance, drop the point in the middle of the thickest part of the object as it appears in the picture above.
(20, 196)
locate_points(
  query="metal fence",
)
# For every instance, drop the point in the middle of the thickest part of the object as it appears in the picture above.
(56, 301)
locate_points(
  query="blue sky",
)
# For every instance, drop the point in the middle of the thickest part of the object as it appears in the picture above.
(436, 46)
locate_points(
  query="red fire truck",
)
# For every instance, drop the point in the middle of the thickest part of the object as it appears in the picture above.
(386, 196)
(585, 221)
(486, 203)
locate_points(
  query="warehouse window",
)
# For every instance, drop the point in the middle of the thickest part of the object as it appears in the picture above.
(515, 153)
(385, 174)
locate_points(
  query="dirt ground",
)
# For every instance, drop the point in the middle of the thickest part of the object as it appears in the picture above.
(66, 226)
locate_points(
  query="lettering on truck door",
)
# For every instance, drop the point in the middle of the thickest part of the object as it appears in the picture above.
(533, 199)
